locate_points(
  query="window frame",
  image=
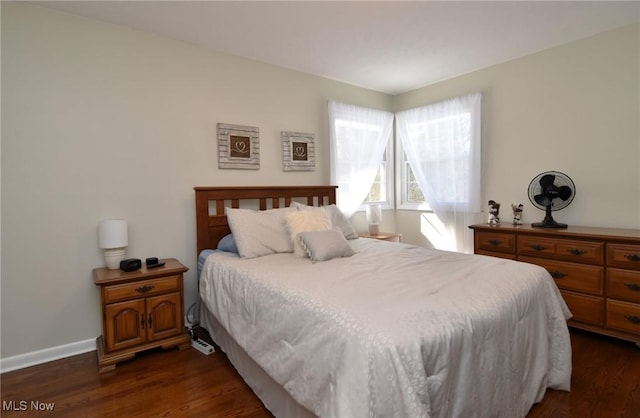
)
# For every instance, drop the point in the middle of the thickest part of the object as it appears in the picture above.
(402, 183)
(389, 202)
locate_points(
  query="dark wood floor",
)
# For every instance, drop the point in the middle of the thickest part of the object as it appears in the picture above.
(605, 384)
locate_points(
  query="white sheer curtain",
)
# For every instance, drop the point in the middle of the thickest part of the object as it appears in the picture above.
(358, 136)
(442, 145)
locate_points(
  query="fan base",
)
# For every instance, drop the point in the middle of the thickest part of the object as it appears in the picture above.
(547, 224)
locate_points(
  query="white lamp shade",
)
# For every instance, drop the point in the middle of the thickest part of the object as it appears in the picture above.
(374, 214)
(112, 233)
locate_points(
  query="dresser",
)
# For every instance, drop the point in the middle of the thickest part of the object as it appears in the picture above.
(596, 269)
(141, 309)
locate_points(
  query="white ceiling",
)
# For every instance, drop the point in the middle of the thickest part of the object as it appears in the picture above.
(387, 46)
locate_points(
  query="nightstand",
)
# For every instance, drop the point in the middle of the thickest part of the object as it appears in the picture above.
(384, 236)
(141, 309)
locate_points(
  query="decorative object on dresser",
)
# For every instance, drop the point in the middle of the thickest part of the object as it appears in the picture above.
(238, 146)
(383, 236)
(517, 213)
(298, 151)
(113, 239)
(551, 190)
(374, 217)
(596, 269)
(494, 212)
(142, 309)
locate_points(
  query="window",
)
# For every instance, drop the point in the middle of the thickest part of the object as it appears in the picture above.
(382, 188)
(361, 163)
(440, 149)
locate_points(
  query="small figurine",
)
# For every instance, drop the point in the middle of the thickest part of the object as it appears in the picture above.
(517, 213)
(494, 209)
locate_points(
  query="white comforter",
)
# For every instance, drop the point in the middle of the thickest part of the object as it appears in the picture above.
(397, 330)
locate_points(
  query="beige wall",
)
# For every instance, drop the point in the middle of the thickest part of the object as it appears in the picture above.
(575, 109)
(99, 121)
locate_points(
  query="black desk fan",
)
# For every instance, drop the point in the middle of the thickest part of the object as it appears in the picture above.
(549, 191)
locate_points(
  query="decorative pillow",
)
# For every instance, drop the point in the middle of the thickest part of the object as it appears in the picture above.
(228, 244)
(260, 232)
(325, 245)
(337, 218)
(303, 221)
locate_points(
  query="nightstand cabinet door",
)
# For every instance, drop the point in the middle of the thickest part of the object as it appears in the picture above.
(125, 324)
(163, 316)
(141, 310)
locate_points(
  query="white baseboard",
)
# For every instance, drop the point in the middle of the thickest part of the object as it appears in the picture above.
(46, 355)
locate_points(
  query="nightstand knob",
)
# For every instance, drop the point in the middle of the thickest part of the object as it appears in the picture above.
(495, 242)
(144, 289)
(576, 251)
(633, 319)
(538, 247)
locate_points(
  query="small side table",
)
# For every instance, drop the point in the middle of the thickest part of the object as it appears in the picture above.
(141, 309)
(383, 236)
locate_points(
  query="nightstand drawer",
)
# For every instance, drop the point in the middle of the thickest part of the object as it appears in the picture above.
(495, 241)
(562, 249)
(141, 288)
(623, 284)
(572, 276)
(625, 256)
(623, 316)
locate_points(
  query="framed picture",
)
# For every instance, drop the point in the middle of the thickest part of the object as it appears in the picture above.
(298, 151)
(238, 146)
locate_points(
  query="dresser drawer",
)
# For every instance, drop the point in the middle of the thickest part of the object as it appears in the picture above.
(562, 249)
(141, 288)
(623, 316)
(496, 242)
(625, 256)
(508, 256)
(572, 276)
(623, 284)
(585, 309)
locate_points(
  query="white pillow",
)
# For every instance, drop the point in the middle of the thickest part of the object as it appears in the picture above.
(302, 221)
(325, 245)
(337, 218)
(260, 232)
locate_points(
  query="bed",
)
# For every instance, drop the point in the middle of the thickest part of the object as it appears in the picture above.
(379, 328)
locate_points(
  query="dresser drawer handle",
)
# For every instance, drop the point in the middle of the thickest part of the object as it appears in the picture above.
(538, 247)
(576, 251)
(633, 319)
(633, 257)
(633, 286)
(495, 242)
(145, 289)
(557, 274)
(142, 321)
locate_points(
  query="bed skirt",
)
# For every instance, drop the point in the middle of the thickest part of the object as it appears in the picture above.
(273, 396)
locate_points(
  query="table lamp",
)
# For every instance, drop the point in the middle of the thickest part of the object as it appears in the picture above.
(374, 217)
(113, 239)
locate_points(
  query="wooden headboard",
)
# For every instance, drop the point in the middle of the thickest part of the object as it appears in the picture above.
(211, 221)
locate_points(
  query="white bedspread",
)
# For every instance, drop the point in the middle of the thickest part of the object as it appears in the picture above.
(397, 330)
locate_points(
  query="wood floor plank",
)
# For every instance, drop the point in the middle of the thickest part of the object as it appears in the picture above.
(172, 383)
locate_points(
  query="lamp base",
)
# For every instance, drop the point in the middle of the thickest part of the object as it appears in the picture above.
(374, 229)
(113, 257)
